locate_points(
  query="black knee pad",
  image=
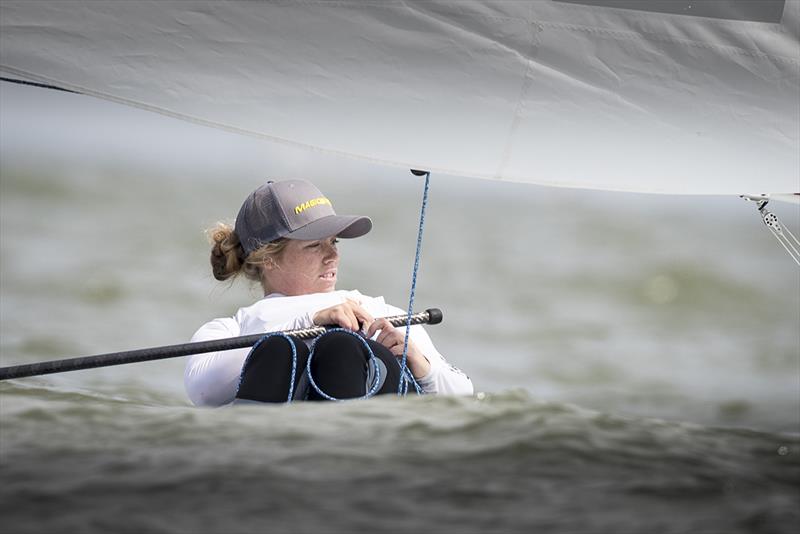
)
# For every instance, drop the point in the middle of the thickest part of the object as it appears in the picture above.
(342, 367)
(345, 348)
(266, 372)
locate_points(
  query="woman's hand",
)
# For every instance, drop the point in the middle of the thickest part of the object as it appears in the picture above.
(393, 339)
(348, 315)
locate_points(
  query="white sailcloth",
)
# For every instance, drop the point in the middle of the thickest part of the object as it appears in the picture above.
(666, 97)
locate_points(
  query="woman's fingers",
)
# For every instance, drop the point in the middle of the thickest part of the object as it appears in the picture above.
(378, 324)
(389, 336)
(386, 339)
(348, 315)
(346, 318)
(394, 339)
(361, 315)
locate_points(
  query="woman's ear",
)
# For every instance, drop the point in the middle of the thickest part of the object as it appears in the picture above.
(270, 264)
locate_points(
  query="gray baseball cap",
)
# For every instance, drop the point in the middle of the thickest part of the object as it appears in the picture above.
(293, 209)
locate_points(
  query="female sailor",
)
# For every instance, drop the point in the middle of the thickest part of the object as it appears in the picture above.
(285, 238)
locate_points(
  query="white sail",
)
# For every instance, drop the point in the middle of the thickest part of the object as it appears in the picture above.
(658, 96)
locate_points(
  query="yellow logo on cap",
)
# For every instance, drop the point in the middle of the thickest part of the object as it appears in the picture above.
(300, 208)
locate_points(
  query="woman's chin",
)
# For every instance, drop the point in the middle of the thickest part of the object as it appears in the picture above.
(328, 286)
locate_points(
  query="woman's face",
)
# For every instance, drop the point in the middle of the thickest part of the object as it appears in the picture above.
(304, 267)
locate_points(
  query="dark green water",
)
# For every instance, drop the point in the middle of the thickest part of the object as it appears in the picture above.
(638, 357)
(499, 463)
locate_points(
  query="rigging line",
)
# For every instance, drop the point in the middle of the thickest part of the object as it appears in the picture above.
(796, 242)
(37, 84)
(790, 243)
(777, 229)
(784, 241)
(781, 230)
(795, 253)
(403, 386)
(793, 256)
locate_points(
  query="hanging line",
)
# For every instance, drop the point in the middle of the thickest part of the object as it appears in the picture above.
(405, 373)
(406, 376)
(785, 237)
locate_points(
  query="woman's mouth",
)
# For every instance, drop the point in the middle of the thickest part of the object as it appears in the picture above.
(330, 275)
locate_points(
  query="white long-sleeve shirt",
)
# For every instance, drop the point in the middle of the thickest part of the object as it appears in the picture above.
(211, 379)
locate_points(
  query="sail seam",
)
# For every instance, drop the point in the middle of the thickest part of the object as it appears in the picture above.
(527, 80)
(649, 36)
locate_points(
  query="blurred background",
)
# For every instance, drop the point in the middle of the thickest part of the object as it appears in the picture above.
(675, 307)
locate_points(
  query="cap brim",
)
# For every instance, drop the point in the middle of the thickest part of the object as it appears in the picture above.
(346, 226)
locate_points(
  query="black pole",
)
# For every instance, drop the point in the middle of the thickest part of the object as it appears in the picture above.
(429, 316)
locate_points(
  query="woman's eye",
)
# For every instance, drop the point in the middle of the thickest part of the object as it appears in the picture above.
(319, 243)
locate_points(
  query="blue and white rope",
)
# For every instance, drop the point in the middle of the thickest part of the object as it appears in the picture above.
(372, 360)
(405, 373)
(294, 362)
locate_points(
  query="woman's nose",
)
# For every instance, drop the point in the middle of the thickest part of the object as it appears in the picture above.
(331, 253)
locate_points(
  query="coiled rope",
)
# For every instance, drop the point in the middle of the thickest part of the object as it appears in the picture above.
(294, 361)
(372, 360)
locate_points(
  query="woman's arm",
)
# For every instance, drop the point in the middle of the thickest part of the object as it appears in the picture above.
(212, 379)
(432, 372)
(443, 378)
